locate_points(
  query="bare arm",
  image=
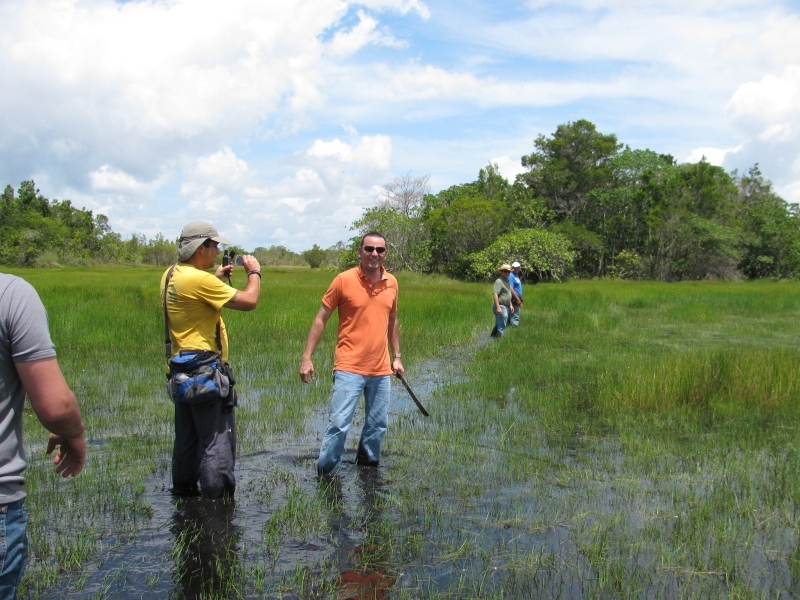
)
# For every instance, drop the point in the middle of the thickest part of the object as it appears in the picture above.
(57, 409)
(394, 344)
(496, 302)
(247, 299)
(314, 336)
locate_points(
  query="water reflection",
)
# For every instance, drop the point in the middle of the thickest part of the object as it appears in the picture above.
(362, 551)
(205, 548)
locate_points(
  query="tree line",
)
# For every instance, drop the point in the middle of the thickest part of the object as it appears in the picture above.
(589, 206)
(38, 232)
(586, 206)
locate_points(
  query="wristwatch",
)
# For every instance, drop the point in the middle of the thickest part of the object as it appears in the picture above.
(398, 355)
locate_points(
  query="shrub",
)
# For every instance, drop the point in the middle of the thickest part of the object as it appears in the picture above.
(546, 254)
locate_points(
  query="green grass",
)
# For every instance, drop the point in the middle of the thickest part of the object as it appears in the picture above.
(107, 325)
(629, 440)
(658, 424)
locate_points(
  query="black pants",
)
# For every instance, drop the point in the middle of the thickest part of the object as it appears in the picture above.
(204, 451)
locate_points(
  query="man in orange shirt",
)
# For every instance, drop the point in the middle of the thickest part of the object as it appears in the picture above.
(366, 297)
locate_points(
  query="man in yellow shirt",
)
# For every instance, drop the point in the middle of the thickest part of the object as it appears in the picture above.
(204, 450)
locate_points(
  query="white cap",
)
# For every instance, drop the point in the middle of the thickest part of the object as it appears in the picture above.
(515, 265)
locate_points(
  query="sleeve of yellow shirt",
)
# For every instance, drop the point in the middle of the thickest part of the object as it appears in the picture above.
(213, 291)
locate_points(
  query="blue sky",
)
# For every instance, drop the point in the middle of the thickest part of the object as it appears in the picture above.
(278, 121)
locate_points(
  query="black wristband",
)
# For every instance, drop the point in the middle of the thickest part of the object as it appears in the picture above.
(254, 272)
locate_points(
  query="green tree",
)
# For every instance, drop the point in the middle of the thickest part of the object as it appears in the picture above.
(314, 256)
(770, 227)
(618, 222)
(467, 224)
(491, 182)
(568, 167)
(525, 210)
(398, 216)
(159, 251)
(693, 232)
(277, 256)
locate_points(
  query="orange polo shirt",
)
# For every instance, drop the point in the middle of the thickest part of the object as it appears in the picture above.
(364, 309)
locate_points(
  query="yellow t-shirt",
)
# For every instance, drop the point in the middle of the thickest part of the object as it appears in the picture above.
(194, 303)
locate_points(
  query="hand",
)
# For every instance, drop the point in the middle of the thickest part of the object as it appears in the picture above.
(250, 263)
(223, 273)
(307, 370)
(71, 455)
(511, 308)
(397, 367)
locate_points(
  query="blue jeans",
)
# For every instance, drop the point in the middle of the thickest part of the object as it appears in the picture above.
(513, 319)
(500, 321)
(13, 546)
(347, 389)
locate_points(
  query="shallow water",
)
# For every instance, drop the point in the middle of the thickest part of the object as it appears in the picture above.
(181, 551)
(521, 540)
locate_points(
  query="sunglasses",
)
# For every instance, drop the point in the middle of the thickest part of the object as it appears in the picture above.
(505, 271)
(378, 249)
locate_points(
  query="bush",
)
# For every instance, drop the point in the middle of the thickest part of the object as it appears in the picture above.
(627, 265)
(547, 255)
(314, 257)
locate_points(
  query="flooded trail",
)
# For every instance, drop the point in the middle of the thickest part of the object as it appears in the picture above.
(270, 537)
(570, 527)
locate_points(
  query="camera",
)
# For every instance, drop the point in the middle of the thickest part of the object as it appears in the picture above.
(229, 256)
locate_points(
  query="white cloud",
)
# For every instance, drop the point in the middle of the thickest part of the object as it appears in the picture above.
(767, 113)
(332, 185)
(335, 149)
(109, 179)
(169, 78)
(213, 179)
(371, 152)
(298, 204)
(762, 103)
(714, 156)
(221, 167)
(416, 83)
(401, 6)
(349, 42)
(790, 192)
(509, 167)
(374, 152)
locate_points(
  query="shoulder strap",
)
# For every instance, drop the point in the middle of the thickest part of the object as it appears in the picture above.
(167, 336)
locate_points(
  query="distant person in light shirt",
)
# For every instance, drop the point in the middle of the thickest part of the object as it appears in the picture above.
(501, 296)
(516, 292)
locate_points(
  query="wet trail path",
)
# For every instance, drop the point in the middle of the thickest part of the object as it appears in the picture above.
(574, 529)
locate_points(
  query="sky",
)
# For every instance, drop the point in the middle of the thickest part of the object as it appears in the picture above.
(279, 121)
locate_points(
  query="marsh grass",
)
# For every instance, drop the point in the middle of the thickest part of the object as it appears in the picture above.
(656, 424)
(629, 440)
(107, 325)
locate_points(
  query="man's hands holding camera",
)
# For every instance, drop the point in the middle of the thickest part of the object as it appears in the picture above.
(229, 260)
